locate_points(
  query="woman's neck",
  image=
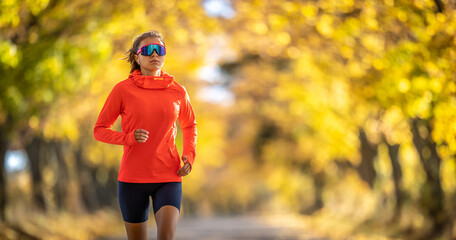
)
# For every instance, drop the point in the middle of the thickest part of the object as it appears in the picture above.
(156, 73)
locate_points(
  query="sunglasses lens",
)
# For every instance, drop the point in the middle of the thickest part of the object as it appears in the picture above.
(149, 49)
(161, 50)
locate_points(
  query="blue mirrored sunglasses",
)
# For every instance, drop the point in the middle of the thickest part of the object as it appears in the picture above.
(147, 50)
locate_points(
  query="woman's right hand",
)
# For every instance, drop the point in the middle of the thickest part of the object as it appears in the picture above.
(141, 135)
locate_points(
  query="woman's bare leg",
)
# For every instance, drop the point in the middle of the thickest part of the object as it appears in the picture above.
(136, 231)
(166, 219)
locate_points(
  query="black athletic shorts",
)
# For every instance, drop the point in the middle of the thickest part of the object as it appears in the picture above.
(134, 198)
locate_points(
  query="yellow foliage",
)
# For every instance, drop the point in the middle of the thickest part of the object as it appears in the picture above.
(9, 10)
(36, 6)
(324, 25)
(9, 54)
(277, 22)
(309, 11)
(258, 27)
(294, 190)
(373, 43)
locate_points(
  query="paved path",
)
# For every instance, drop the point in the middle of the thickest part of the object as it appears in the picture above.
(228, 228)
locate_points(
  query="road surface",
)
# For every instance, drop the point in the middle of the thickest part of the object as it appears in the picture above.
(238, 227)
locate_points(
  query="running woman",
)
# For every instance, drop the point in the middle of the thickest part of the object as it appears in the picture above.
(150, 102)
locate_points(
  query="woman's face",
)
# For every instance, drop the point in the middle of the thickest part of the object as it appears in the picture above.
(153, 62)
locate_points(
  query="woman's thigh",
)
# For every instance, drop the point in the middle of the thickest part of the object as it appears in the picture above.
(169, 193)
(134, 202)
(167, 201)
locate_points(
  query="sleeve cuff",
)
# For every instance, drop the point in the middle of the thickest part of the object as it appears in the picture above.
(190, 158)
(131, 139)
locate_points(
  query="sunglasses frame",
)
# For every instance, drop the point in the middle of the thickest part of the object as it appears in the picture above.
(139, 51)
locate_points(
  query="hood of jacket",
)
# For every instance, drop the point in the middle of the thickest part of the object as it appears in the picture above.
(151, 82)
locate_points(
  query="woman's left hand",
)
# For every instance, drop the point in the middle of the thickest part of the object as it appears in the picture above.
(185, 170)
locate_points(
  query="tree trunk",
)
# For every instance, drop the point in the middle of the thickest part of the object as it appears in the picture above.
(104, 184)
(266, 133)
(366, 168)
(35, 151)
(86, 181)
(112, 187)
(432, 196)
(393, 151)
(3, 179)
(318, 182)
(61, 185)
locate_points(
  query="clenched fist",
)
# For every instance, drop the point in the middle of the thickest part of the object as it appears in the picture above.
(185, 170)
(141, 135)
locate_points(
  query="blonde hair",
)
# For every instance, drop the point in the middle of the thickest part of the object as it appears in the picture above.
(134, 48)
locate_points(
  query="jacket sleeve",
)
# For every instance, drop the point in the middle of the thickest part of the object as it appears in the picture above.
(187, 122)
(108, 115)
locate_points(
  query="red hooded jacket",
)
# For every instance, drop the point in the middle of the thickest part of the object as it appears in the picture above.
(154, 104)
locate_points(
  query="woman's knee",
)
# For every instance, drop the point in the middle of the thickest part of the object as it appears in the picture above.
(166, 218)
(136, 231)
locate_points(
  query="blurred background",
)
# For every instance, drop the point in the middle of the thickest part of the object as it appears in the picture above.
(340, 114)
